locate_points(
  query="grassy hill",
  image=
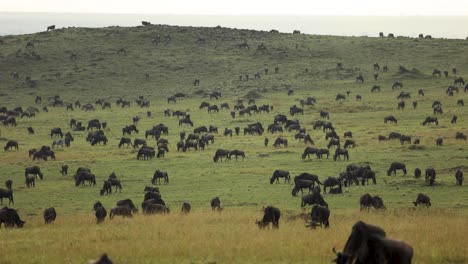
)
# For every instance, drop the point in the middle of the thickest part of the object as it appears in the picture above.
(307, 64)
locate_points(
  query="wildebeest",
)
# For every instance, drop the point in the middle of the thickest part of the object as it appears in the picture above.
(280, 174)
(82, 177)
(128, 203)
(396, 166)
(271, 215)
(6, 193)
(106, 188)
(129, 129)
(324, 114)
(430, 176)
(390, 119)
(34, 170)
(397, 85)
(49, 215)
(430, 120)
(299, 185)
(321, 152)
(104, 259)
(417, 173)
(216, 204)
(367, 244)
(459, 177)
(460, 102)
(11, 144)
(349, 143)
(401, 105)
(404, 139)
(394, 135)
(56, 131)
(340, 97)
(236, 153)
(359, 78)
(30, 181)
(314, 198)
(309, 151)
(422, 199)
(158, 175)
(341, 152)
(330, 182)
(146, 152)
(367, 201)
(375, 88)
(124, 211)
(439, 141)
(9, 218)
(319, 216)
(9, 184)
(219, 154)
(459, 81)
(186, 208)
(333, 142)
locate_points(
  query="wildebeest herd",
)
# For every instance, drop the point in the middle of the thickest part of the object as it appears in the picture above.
(364, 238)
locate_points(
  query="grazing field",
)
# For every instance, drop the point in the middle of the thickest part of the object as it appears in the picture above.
(307, 65)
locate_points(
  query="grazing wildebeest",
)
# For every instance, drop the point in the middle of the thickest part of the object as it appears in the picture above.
(236, 153)
(49, 215)
(271, 215)
(309, 151)
(460, 135)
(349, 143)
(359, 78)
(158, 175)
(324, 114)
(127, 203)
(348, 134)
(459, 81)
(34, 170)
(321, 152)
(330, 182)
(9, 218)
(460, 102)
(319, 216)
(155, 208)
(299, 185)
(106, 188)
(333, 142)
(84, 176)
(280, 141)
(314, 198)
(216, 204)
(30, 181)
(430, 176)
(11, 144)
(186, 208)
(340, 97)
(341, 152)
(404, 139)
(203, 105)
(430, 120)
(396, 166)
(280, 174)
(137, 142)
(126, 141)
(394, 135)
(124, 211)
(404, 95)
(219, 154)
(417, 173)
(391, 119)
(415, 104)
(202, 129)
(100, 212)
(6, 193)
(437, 109)
(366, 202)
(129, 129)
(397, 85)
(422, 199)
(454, 120)
(459, 177)
(30, 130)
(367, 244)
(382, 138)
(375, 88)
(56, 131)
(308, 177)
(439, 141)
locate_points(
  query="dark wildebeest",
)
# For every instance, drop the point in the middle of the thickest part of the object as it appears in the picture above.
(52, 27)
(9, 184)
(459, 81)
(236, 153)
(404, 139)
(155, 208)
(404, 95)
(340, 97)
(106, 188)
(34, 170)
(459, 177)
(390, 119)
(126, 141)
(454, 119)
(324, 114)
(6, 193)
(314, 198)
(309, 177)
(349, 143)
(216, 204)
(382, 138)
(280, 174)
(30, 181)
(11, 144)
(124, 211)
(359, 78)
(430, 176)
(439, 141)
(309, 151)
(429, 120)
(271, 215)
(423, 199)
(375, 88)
(158, 175)
(319, 216)
(186, 208)
(299, 185)
(82, 177)
(417, 173)
(50, 215)
(56, 131)
(394, 135)
(30, 130)
(137, 142)
(330, 182)
(401, 105)
(341, 152)
(100, 212)
(366, 202)
(396, 166)
(348, 134)
(321, 152)
(9, 218)
(333, 142)
(128, 203)
(367, 244)
(219, 154)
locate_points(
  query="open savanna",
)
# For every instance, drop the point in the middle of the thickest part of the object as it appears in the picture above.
(437, 234)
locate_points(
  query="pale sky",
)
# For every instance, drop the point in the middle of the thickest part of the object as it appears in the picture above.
(244, 7)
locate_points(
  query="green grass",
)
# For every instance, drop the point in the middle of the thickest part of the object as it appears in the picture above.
(243, 185)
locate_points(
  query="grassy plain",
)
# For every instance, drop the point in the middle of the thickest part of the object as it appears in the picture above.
(438, 234)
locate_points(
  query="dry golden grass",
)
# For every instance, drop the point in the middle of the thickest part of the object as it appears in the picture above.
(437, 236)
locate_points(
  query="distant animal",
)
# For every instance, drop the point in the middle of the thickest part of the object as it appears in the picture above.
(330, 182)
(9, 218)
(280, 174)
(459, 177)
(417, 173)
(396, 166)
(49, 215)
(430, 120)
(186, 208)
(341, 152)
(422, 199)
(10, 145)
(124, 211)
(52, 27)
(309, 151)
(158, 175)
(319, 216)
(6, 193)
(314, 198)
(100, 212)
(271, 215)
(216, 204)
(9, 184)
(104, 259)
(430, 176)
